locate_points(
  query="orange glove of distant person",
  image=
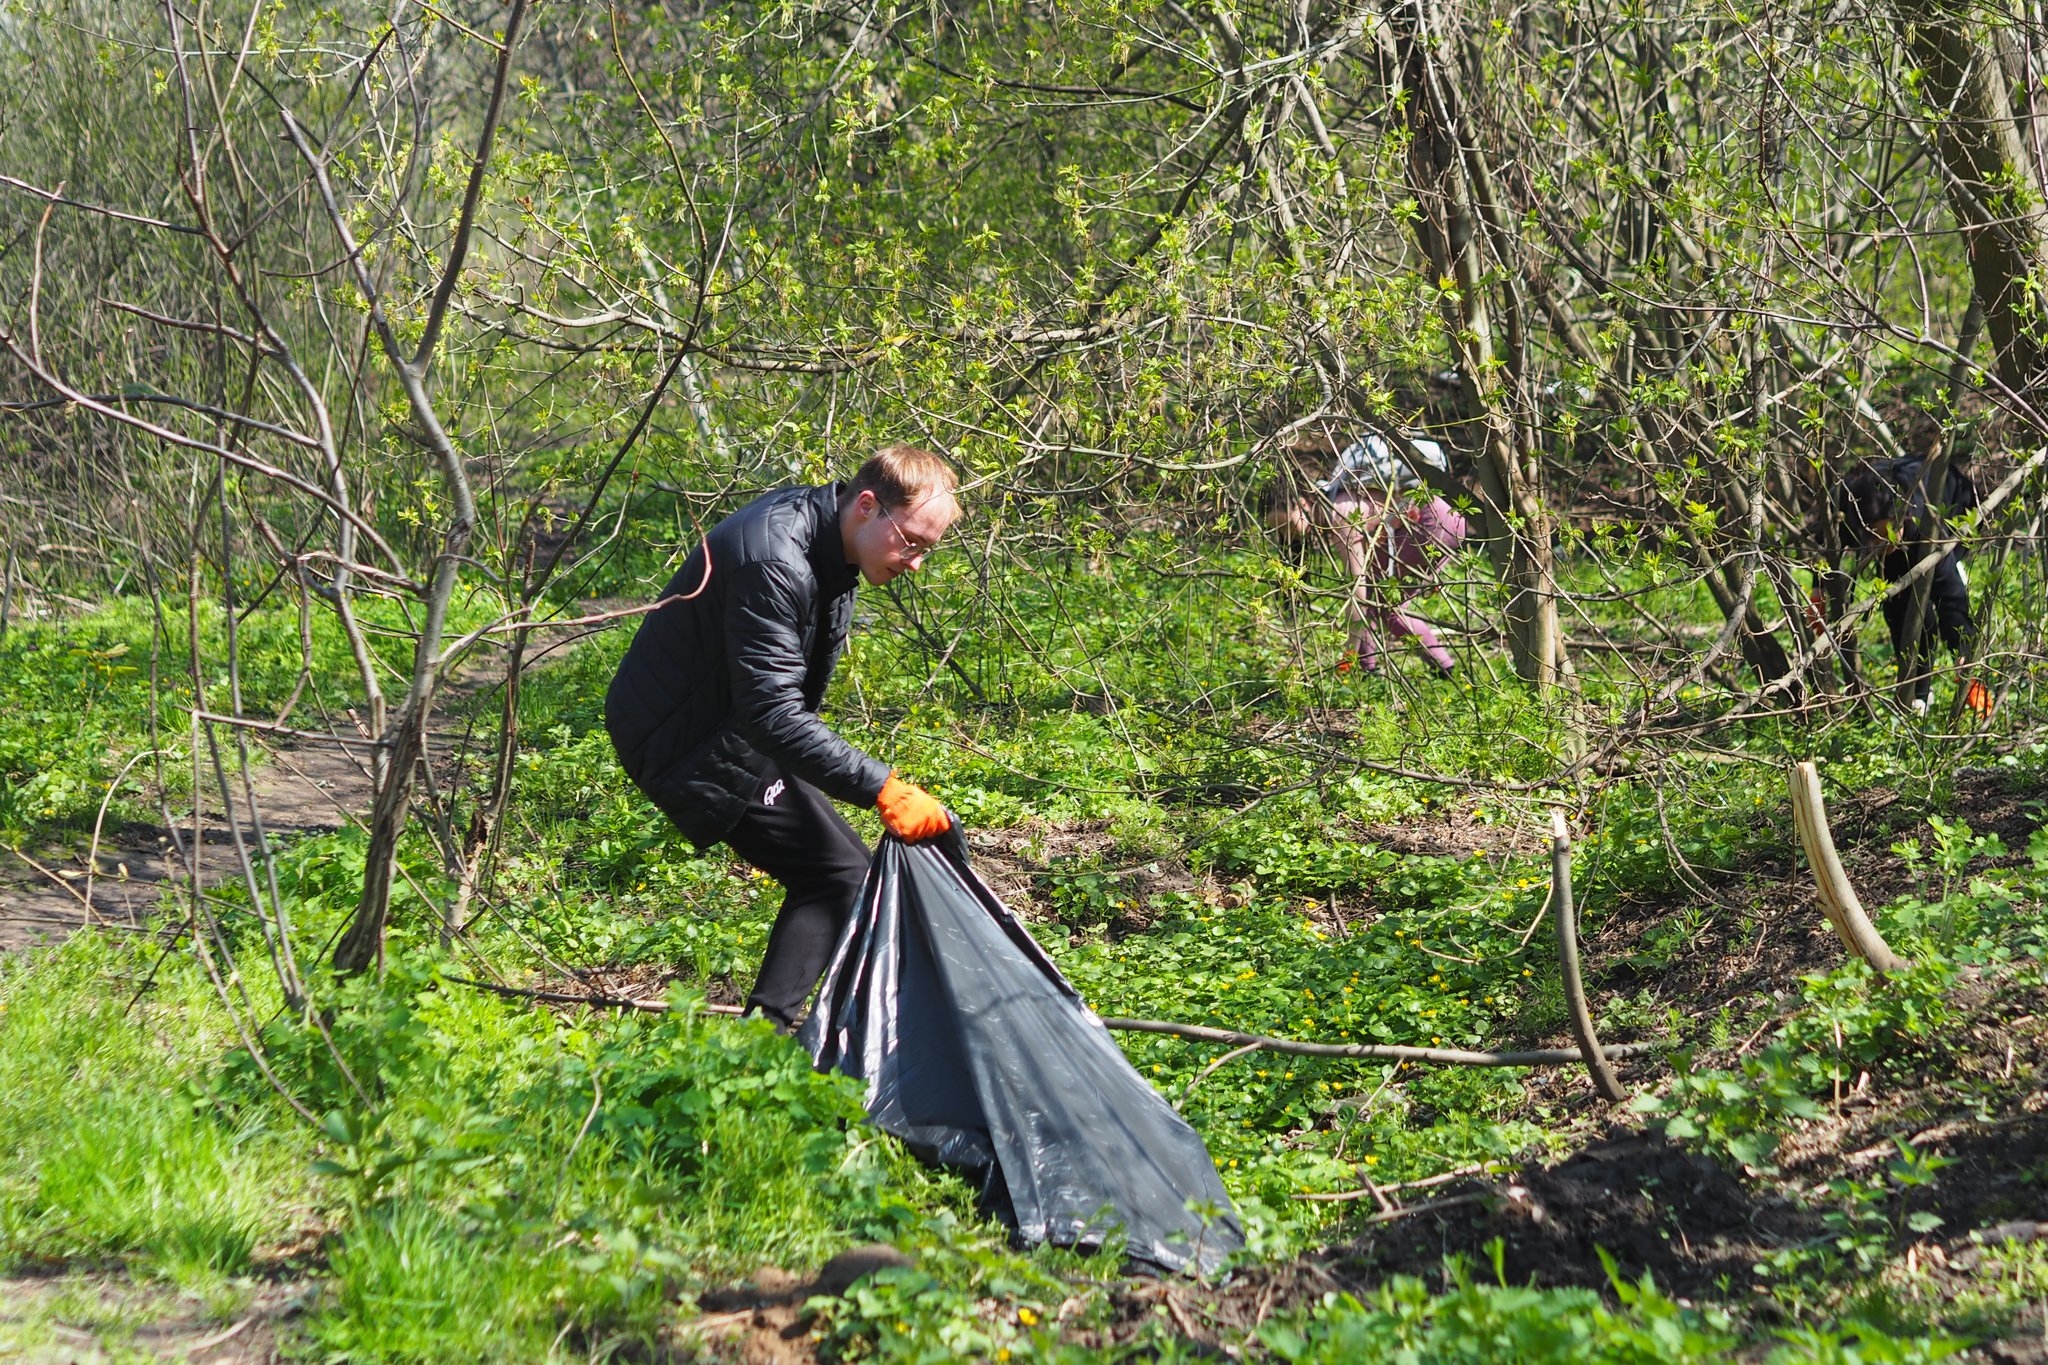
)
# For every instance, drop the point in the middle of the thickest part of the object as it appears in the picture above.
(911, 813)
(1816, 613)
(1979, 699)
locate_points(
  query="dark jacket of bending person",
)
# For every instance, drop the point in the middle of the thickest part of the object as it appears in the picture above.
(1885, 510)
(714, 709)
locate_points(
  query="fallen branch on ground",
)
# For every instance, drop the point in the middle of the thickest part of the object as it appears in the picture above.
(1379, 1052)
(602, 1002)
(1434, 1205)
(1372, 1191)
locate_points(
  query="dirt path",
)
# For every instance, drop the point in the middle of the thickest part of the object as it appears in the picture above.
(305, 787)
(99, 1319)
(300, 787)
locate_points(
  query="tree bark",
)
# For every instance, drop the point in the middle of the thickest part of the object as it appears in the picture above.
(363, 945)
(6, 592)
(1993, 182)
(1448, 175)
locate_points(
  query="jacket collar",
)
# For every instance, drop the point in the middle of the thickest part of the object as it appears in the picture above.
(827, 551)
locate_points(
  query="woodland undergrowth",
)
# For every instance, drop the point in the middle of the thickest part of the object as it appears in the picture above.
(479, 1177)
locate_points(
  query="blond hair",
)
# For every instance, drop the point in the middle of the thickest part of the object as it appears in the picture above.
(901, 475)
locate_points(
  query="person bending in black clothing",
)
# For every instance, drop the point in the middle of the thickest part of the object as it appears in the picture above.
(714, 709)
(1885, 508)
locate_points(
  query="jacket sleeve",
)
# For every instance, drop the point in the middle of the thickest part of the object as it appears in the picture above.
(1948, 602)
(764, 652)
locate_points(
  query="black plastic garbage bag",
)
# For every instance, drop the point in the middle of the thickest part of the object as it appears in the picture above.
(979, 1055)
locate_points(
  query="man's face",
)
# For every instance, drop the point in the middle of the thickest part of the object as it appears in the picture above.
(885, 542)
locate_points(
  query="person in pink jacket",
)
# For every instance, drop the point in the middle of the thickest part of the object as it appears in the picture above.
(1391, 532)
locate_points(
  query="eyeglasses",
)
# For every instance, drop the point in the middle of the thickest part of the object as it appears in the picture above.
(914, 549)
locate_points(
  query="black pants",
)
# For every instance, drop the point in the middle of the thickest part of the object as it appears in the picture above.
(792, 832)
(1948, 612)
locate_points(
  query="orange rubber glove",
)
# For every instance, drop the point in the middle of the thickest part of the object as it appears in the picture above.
(1979, 699)
(911, 813)
(1816, 613)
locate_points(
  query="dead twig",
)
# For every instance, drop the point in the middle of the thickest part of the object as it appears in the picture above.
(1433, 1206)
(69, 890)
(1379, 1192)
(609, 1002)
(1383, 1052)
(1211, 1068)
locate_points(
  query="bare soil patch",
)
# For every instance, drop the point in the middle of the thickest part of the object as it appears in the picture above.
(1654, 1207)
(1699, 1227)
(1767, 929)
(1451, 832)
(1020, 862)
(306, 787)
(94, 1318)
(765, 1322)
(299, 785)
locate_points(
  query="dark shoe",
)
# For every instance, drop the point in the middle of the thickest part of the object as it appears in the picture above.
(784, 1024)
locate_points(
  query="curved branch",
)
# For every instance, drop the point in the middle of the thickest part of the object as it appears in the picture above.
(1568, 962)
(269, 471)
(219, 414)
(56, 197)
(1838, 899)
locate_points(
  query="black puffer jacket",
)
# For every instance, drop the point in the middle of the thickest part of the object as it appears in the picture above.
(717, 692)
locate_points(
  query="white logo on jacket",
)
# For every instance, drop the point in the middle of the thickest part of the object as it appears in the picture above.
(774, 790)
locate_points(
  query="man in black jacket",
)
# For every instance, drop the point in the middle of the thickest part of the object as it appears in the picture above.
(714, 709)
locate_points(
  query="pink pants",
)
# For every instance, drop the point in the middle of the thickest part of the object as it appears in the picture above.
(1391, 543)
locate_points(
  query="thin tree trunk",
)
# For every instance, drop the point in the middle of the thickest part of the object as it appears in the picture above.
(404, 737)
(399, 753)
(482, 836)
(1568, 963)
(6, 592)
(1447, 175)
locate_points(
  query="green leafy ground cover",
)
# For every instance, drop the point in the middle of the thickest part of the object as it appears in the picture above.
(475, 1178)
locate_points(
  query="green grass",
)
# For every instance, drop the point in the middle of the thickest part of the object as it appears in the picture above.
(483, 1179)
(99, 705)
(111, 1142)
(1482, 1323)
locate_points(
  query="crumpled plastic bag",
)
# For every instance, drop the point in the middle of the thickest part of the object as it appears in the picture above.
(981, 1057)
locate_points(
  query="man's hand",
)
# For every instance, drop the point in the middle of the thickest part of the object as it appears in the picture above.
(911, 813)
